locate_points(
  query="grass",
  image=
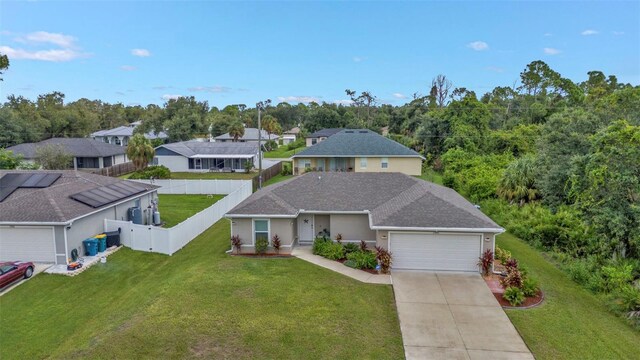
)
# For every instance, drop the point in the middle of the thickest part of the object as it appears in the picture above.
(213, 175)
(431, 175)
(200, 302)
(276, 179)
(572, 323)
(175, 209)
(282, 152)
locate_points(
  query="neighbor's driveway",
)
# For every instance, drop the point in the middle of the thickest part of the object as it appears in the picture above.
(453, 316)
(39, 267)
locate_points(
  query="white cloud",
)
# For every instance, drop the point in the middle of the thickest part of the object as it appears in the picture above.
(140, 52)
(551, 51)
(342, 102)
(128, 68)
(211, 89)
(299, 99)
(495, 69)
(167, 97)
(400, 96)
(478, 45)
(359, 59)
(589, 32)
(617, 33)
(62, 40)
(54, 55)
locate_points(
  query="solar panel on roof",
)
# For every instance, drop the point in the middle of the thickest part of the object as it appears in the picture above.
(107, 194)
(11, 182)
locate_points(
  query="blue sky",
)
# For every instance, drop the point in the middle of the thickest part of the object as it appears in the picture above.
(242, 52)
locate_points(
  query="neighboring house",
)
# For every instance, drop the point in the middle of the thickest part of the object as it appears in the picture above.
(87, 153)
(250, 134)
(424, 225)
(204, 156)
(290, 136)
(44, 215)
(121, 135)
(358, 151)
(320, 135)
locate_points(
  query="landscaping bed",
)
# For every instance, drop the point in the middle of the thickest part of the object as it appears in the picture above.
(356, 256)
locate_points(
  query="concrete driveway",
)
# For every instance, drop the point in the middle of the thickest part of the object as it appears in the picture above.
(453, 316)
(39, 267)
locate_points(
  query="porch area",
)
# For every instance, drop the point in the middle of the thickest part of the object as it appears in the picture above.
(349, 227)
(342, 164)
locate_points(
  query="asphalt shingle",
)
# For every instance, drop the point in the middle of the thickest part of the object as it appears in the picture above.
(78, 147)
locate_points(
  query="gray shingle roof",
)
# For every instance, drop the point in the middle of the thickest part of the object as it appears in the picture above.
(53, 204)
(250, 134)
(357, 142)
(127, 130)
(392, 199)
(79, 147)
(325, 132)
(195, 148)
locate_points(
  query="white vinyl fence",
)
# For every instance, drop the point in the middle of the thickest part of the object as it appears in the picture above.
(169, 240)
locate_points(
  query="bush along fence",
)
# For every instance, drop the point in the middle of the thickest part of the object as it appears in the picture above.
(113, 171)
(169, 240)
(267, 174)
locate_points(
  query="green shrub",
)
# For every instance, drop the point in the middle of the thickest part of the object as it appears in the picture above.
(286, 169)
(530, 287)
(261, 246)
(334, 251)
(626, 298)
(616, 278)
(350, 263)
(296, 144)
(502, 255)
(350, 247)
(156, 172)
(514, 296)
(319, 245)
(363, 259)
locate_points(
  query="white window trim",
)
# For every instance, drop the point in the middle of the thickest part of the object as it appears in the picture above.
(253, 230)
(384, 161)
(363, 161)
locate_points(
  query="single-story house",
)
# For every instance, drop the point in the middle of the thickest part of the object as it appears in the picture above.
(290, 136)
(250, 134)
(44, 215)
(321, 135)
(205, 156)
(358, 150)
(121, 134)
(87, 153)
(424, 225)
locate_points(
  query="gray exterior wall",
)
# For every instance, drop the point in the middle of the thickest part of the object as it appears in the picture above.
(352, 227)
(321, 222)
(61, 253)
(285, 228)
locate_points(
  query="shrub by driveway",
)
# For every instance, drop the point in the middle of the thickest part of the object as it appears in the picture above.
(200, 302)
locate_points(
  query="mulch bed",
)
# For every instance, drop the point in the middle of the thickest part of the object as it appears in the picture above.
(493, 282)
(270, 256)
(370, 271)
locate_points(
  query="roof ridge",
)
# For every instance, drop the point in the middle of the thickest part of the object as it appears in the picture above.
(397, 203)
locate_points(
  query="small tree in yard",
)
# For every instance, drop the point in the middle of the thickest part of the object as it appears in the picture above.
(275, 242)
(363, 245)
(485, 262)
(384, 259)
(53, 157)
(248, 166)
(140, 151)
(236, 242)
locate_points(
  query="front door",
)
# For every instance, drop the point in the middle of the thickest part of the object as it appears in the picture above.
(198, 163)
(305, 228)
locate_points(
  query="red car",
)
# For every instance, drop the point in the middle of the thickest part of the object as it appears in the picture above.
(12, 271)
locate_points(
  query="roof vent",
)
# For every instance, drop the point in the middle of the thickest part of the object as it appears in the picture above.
(349, 131)
(363, 131)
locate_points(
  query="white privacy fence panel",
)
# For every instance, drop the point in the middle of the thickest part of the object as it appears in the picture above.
(195, 186)
(167, 241)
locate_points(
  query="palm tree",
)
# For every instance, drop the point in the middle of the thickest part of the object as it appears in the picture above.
(140, 151)
(236, 129)
(518, 181)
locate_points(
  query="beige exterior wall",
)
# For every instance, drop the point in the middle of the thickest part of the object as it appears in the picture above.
(405, 165)
(382, 238)
(352, 227)
(285, 228)
(321, 222)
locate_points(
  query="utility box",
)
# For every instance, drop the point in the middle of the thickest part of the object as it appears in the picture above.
(134, 215)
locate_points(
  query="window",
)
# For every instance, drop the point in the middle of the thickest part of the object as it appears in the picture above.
(304, 164)
(363, 163)
(314, 141)
(260, 230)
(384, 163)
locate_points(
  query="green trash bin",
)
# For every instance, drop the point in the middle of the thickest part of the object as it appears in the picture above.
(102, 243)
(90, 247)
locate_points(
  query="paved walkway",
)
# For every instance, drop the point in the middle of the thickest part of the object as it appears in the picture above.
(453, 316)
(304, 253)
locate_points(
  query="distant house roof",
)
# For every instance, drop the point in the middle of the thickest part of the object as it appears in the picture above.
(250, 134)
(392, 200)
(294, 131)
(127, 130)
(357, 142)
(325, 133)
(53, 204)
(78, 147)
(203, 149)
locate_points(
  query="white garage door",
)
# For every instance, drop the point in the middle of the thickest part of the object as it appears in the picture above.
(452, 252)
(27, 244)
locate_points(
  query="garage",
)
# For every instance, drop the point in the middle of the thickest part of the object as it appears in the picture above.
(431, 251)
(41, 244)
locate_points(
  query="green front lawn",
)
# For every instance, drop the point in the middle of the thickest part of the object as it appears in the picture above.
(203, 303)
(175, 209)
(213, 175)
(276, 179)
(282, 152)
(572, 323)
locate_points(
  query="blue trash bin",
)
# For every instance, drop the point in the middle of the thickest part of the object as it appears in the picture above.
(90, 247)
(102, 244)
